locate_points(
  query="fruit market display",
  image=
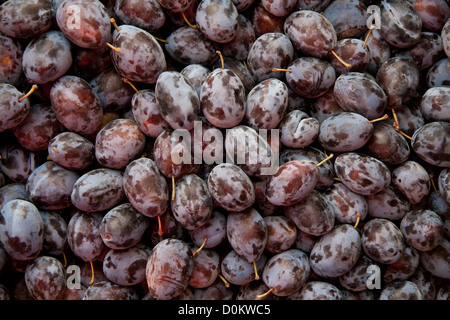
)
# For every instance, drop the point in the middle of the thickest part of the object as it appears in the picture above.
(224, 150)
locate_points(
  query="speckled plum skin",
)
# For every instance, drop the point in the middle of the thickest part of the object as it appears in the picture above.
(177, 99)
(94, 26)
(286, 272)
(145, 187)
(71, 151)
(279, 8)
(313, 215)
(358, 92)
(83, 235)
(50, 186)
(281, 234)
(45, 278)
(26, 18)
(21, 229)
(126, 267)
(430, 143)
(389, 204)
(175, 6)
(346, 203)
(318, 290)
(17, 162)
(356, 278)
(266, 104)
(238, 271)
(240, 45)
(353, 52)
(217, 20)
(55, 232)
(292, 183)
(444, 184)
(382, 241)
(435, 104)
(193, 205)
(401, 290)
(247, 233)
(445, 36)
(148, 15)
(98, 190)
(118, 143)
(190, 46)
(106, 290)
(169, 269)
(362, 174)
(404, 267)
(298, 129)
(400, 23)
(12, 112)
(422, 229)
(206, 268)
(214, 230)
(145, 53)
(412, 180)
(76, 105)
(13, 191)
(123, 226)
(311, 33)
(230, 187)
(346, 131)
(222, 98)
(270, 50)
(336, 252)
(310, 77)
(436, 261)
(12, 51)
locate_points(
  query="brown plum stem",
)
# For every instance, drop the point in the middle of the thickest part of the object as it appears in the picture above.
(130, 84)
(256, 270)
(33, 89)
(379, 119)
(367, 37)
(160, 40)
(65, 259)
(281, 69)
(227, 284)
(340, 59)
(201, 247)
(221, 59)
(113, 48)
(259, 296)
(193, 26)
(113, 22)
(173, 187)
(325, 160)
(55, 149)
(358, 218)
(93, 273)
(160, 232)
(433, 184)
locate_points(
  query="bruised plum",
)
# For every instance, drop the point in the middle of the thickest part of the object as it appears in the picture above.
(422, 229)
(298, 130)
(169, 269)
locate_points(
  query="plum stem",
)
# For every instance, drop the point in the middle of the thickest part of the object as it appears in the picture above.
(259, 296)
(173, 187)
(379, 119)
(113, 22)
(340, 59)
(433, 184)
(65, 259)
(358, 218)
(256, 270)
(337, 179)
(160, 232)
(201, 247)
(281, 69)
(113, 48)
(33, 89)
(367, 37)
(227, 284)
(93, 273)
(160, 40)
(325, 160)
(55, 149)
(221, 59)
(193, 26)
(131, 84)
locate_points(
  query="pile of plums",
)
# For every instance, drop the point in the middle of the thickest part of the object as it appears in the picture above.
(225, 150)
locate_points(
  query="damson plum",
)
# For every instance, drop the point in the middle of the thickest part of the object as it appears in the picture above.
(217, 20)
(346, 131)
(12, 191)
(430, 143)
(435, 104)
(71, 151)
(55, 232)
(18, 163)
(148, 15)
(266, 104)
(281, 234)
(270, 50)
(444, 184)
(401, 290)
(26, 19)
(286, 272)
(349, 18)
(141, 58)
(214, 231)
(222, 98)
(325, 106)
(230, 187)
(11, 70)
(175, 5)
(83, 235)
(434, 13)
(238, 271)
(123, 227)
(422, 229)
(298, 130)
(404, 267)
(351, 89)
(389, 203)
(239, 69)
(192, 205)
(145, 187)
(21, 229)
(240, 45)
(410, 117)
(118, 143)
(362, 174)
(47, 57)
(319, 290)
(189, 46)
(399, 78)
(382, 241)
(247, 234)
(91, 27)
(88, 63)
(336, 252)
(436, 261)
(379, 50)
(439, 74)
(106, 290)
(445, 35)
(126, 267)
(196, 74)
(279, 8)
(425, 281)
(98, 190)
(50, 186)
(250, 290)
(346, 203)
(401, 24)
(178, 100)
(45, 278)
(265, 22)
(310, 77)
(354, 53)
(216, 291)
(412, 180)
(313, 215)
(76, 105)
(13, 112)
(169, 269)
(356, 278)
(293, 182)
(311, 33)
